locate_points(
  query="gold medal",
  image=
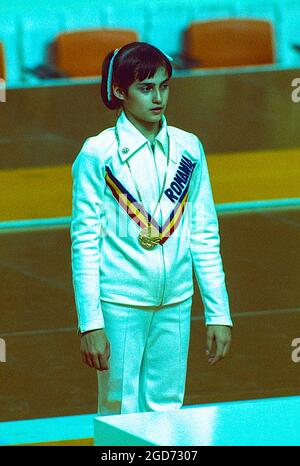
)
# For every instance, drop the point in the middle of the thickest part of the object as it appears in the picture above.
(148, 237)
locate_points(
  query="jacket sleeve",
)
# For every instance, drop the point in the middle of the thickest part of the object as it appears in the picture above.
(87, 202)
(205, 246)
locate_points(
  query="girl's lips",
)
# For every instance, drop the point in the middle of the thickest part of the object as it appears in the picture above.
(156, 110)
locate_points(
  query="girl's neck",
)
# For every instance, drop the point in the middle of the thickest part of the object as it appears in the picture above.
(148, 129)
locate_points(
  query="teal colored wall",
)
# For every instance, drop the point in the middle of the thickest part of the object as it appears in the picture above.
(29, 28)
(36, 5)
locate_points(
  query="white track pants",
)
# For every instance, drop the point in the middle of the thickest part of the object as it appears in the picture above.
(148, 361)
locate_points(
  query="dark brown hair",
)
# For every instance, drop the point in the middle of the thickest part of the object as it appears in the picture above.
(133, 62)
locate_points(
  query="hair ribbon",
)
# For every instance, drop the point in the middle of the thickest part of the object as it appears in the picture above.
(110, 73)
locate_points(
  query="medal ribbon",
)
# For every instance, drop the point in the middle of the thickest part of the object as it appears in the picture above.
(138, 213)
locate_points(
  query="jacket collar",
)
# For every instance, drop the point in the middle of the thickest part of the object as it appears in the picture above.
(130, 139)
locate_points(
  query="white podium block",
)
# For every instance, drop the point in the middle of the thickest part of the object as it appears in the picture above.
(262, 422)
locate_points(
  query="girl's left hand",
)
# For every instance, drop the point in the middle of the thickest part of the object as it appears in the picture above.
(220, 337)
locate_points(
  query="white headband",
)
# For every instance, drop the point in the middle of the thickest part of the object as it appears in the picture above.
(168, 56)
(109, 76)
(110, 72)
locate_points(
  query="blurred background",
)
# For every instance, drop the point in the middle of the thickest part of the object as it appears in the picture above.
(28, 31)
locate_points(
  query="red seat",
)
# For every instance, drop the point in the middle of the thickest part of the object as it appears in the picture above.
(2, 62)
(229, 42)
(81, 53)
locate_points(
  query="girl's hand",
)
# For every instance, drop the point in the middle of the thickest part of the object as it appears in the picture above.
(220, 336)
(95, 349)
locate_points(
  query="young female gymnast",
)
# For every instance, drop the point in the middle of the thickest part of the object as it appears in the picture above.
(143, 219)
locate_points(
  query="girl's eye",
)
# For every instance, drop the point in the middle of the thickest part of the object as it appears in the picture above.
(149, 88)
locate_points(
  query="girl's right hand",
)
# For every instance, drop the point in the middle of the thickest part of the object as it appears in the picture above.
(95, 349)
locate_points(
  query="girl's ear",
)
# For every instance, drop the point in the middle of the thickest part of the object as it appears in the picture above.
(118, 92)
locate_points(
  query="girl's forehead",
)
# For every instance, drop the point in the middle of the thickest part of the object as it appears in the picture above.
(160, 75)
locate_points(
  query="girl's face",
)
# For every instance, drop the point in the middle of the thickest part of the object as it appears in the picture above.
(146, 100)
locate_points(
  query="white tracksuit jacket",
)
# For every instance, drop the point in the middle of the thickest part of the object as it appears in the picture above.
(108, 262)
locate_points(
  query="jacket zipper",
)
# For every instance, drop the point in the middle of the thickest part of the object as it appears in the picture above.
(160, 246)
(164, 274)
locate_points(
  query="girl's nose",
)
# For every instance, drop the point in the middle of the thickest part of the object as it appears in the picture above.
(157, 96)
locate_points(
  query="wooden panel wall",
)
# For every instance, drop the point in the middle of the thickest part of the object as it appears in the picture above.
(229, 112)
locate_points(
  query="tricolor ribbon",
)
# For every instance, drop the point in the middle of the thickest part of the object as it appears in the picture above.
(138, 213)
